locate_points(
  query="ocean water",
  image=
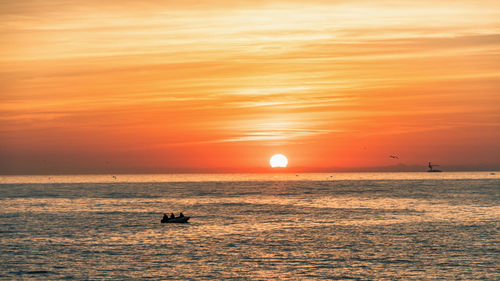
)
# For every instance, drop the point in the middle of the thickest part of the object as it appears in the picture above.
(399, 226)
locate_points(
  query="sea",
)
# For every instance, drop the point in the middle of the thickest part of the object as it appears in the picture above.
(328, 226)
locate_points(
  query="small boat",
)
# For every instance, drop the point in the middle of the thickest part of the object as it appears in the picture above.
(175, 220)
(431, 170)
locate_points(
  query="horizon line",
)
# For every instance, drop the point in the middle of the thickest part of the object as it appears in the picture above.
(262, 170)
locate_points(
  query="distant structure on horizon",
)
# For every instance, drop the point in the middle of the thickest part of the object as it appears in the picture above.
(431, 168)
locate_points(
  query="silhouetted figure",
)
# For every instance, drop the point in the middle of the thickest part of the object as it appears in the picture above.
(181, 215)
(165, 218)
(172, 216)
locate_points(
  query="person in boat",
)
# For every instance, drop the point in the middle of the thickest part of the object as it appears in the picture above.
(181, 215)
(172, 216)
(165, 217)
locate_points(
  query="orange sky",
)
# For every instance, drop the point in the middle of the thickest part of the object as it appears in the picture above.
(169, 86)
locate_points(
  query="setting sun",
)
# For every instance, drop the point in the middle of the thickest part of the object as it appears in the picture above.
(278, 160)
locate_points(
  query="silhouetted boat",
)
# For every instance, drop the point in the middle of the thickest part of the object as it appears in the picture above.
(432, 170)
(175, 220)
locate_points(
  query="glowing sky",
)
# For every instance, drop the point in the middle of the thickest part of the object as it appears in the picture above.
(166, 86)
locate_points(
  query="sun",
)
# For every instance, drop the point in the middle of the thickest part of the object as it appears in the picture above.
(278, 160)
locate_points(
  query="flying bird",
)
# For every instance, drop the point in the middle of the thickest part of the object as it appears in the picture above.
(394, 156)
